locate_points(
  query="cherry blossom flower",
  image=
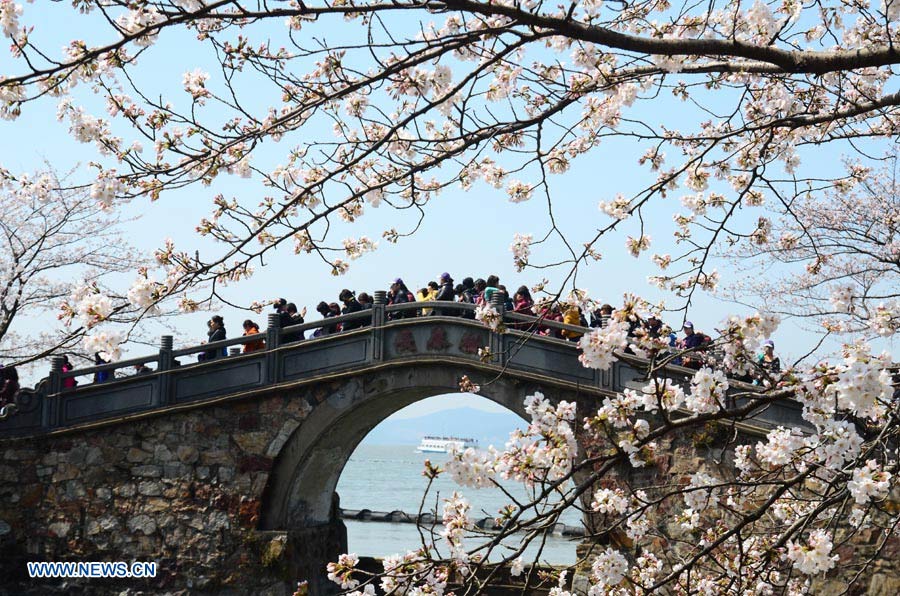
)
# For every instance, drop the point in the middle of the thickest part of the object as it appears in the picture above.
(609, 501)
(9, 17)
(107, 343)
(518, 191)
(707, 393)
(609, 568)
(341, 572)
(869, 482)
(598, 346)
(521, 249)
(636, 246)
(815, 556)
(488, 315)
(617, 209)
(194, 82)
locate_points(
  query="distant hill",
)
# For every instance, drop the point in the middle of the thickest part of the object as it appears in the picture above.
(487, 427)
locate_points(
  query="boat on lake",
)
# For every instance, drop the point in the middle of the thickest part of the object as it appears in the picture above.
(443, 444)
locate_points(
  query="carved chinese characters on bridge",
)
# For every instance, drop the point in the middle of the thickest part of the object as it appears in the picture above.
(438, 340)
(404, 342)
(470, 343)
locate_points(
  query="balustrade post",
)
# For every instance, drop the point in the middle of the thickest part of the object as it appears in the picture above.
(163, 365)
(273, 341)
(379, 301)
(50, 410)
(498, 302)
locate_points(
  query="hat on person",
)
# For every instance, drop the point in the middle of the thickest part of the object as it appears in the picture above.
(688, 325)
(769, 344)
(445, 276)
(398, 281)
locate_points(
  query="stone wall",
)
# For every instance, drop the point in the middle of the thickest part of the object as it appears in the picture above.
(183, 490)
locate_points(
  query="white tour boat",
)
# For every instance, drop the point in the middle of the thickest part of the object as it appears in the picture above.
(443, 444)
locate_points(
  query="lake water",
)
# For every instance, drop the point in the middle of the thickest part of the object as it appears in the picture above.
(389, 477)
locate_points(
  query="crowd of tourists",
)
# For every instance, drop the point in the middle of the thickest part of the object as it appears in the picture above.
(481, 292)
(472, 291)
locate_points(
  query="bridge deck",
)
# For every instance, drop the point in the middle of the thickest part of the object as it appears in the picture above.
(418, 341)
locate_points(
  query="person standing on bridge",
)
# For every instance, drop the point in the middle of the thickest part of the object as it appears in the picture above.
(70, 382)
(692, 340)
(351, 305)
(522, 302)
(251, 328)
(427, 294)
(216, 332)
(768, 361)
(572, 316)
(284, 317)
(492, 285)
(9, 384)
(327, 311)
(445, 293)
(400, 294)
(293, 318)
(101, 376)
(479, 287)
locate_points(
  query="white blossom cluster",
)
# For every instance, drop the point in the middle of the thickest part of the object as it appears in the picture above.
(546, 450)
(456, 523)
(488, 315)
(471, 467)
(697, 496)
(664, 392)
(884, 320)
(742, 337)
(341, 572)
(412, 573)
(815, 556)
(607, 570)
(145, 293)
(91, 305)
(782, 446)
(842, 299)
(708, 389)
(869, 482)
(617, 208)
(521, 249)
(107, 343)
(9, 17)
(598, 346)
(357, 248)
(194, 83)
(636, 246)
(137, 22)
(863, 384)
(106, 188)
(518, 191)
(610, 501)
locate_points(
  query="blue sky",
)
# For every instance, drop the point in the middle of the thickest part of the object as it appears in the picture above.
(464, 233)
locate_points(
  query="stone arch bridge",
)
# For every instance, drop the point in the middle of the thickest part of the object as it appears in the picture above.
(223, 472)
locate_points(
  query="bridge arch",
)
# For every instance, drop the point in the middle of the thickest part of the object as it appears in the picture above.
(305, 472)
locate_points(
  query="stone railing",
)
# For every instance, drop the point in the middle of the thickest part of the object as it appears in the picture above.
(388, 335)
